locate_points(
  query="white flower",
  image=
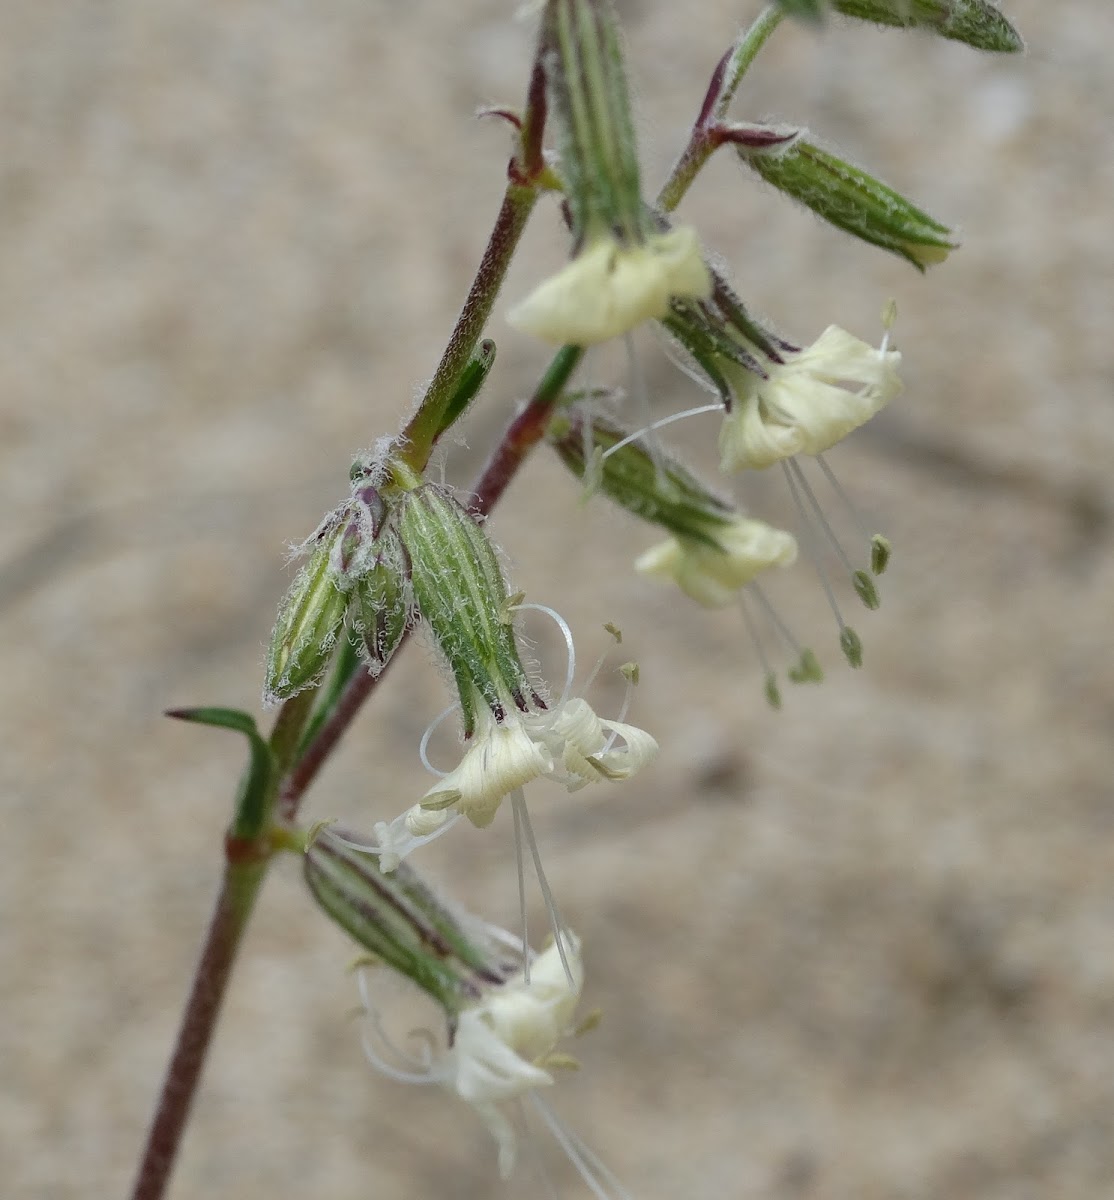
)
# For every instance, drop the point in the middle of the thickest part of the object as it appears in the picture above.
(809, 402)
(608, 288)
(714, 577)
(501, 1045)
(568, 743)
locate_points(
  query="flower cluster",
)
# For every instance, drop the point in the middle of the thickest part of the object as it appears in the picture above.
(403, 552)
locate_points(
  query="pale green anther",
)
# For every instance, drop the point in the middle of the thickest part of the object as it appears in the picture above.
(401, 923)
(590, 107)
(865, 589)
(977, 23)
(655, 488)
(772, 691)
(879, 553)
(629, 672)
(615, 632)
(851, 645)
(852, 200)
(459, 590)
(309, 620)
(807, 669)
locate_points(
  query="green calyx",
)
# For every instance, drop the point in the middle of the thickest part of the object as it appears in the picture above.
(356, 570)
(976, 23)
(654, 487)
(396, 918)
(852, 200)
(309, 620)
(590, 106)
(460, 592)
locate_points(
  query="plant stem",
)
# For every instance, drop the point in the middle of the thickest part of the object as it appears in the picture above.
(239, 890)
(424, 427)
(728, 74)
(246, 861)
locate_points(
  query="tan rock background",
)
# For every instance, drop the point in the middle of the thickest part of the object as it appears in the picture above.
(858, 950)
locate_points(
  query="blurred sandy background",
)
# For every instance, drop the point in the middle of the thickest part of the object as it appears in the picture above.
(861, 949)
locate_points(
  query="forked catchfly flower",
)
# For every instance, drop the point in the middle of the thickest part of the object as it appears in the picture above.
(806, 402)
(505, 1009)
(514, 731)
(501, 1050)
(713, 549)
(627, 263)
(714, 552)
(713, 576)
(782, 403)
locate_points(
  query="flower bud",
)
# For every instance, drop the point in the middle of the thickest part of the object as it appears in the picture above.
(309, 620)
(851, 200)
(402, 923)
(357, 567)
(378, 607)
(978, 23)
(460, 591)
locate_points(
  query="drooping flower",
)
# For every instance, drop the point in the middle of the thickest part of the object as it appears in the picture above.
(714, 574)
(503, 1047)
(566, 742)
(626, 262)
(504, 1009)
(610, 287)
(807, 402)
(514, 733)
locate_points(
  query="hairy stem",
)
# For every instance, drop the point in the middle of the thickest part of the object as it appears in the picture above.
(238, 893)
(728, 74)
(424, 427)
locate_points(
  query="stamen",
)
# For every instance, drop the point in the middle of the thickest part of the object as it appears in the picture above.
(593, 459)
(423, 745)
(593, 674)
(791, 465)
(600, 1179)
(889, 318)
(774, 619)
(837, 487)
(630, 674)
(518, 803)
(807, 668)
(521, 868)
(660, 424)
(641, 395)
(773, 695)
(566, 633)
(538, 1168)
(811, 550)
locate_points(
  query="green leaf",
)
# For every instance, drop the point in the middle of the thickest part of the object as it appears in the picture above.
(471, 380)
(253, 801)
